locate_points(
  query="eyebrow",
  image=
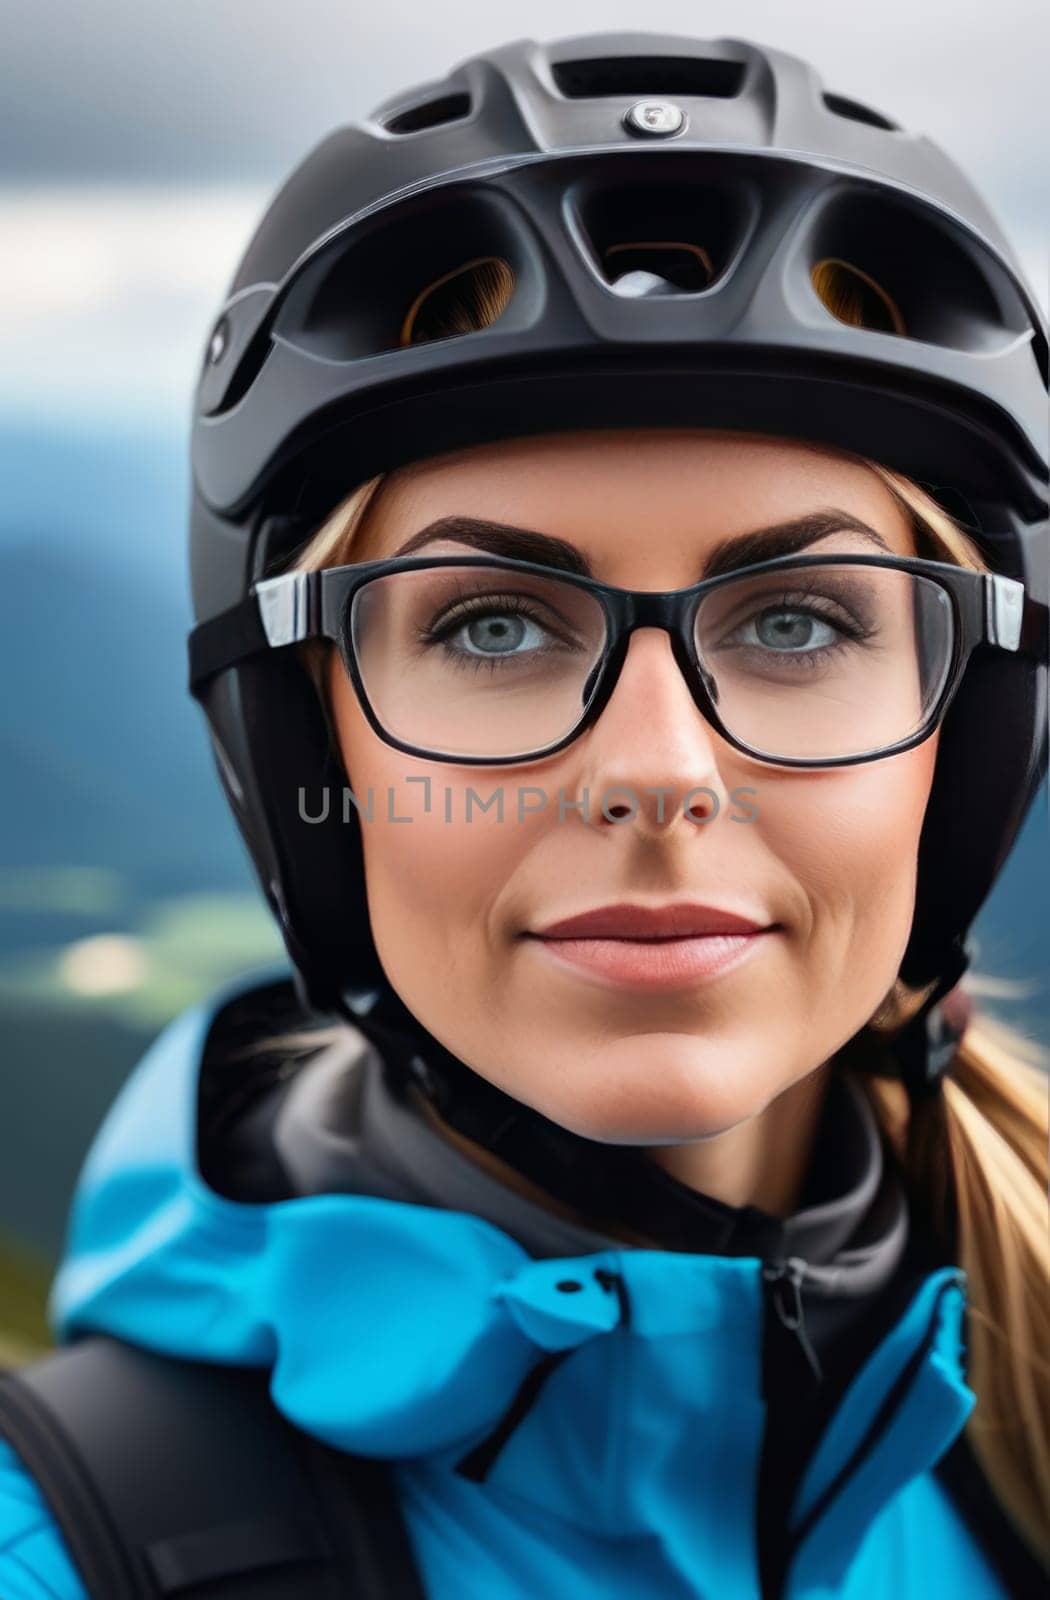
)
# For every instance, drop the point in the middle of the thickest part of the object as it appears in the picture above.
(743, 550)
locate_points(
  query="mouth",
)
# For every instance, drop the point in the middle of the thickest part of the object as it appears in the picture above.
(654, 948)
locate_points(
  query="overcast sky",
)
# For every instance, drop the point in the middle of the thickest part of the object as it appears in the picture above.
(139, 141)
(225, 89)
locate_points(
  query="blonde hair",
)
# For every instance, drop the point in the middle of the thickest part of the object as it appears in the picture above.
(974, 1159)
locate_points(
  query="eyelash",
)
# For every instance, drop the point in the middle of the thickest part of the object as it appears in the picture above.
(462, 612)
(453, 619)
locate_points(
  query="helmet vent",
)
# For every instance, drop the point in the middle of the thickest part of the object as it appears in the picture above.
(438, 266)
(431, 114)
(659, 266)
(884, 266)
(648, 75)
(855, 297)
(660, 239)
(470, 297)
(853, 111)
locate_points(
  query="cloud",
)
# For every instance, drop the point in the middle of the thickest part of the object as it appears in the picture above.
(224, 90)
(110, 290)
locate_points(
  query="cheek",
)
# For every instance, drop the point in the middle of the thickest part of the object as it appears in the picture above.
(850, 841)
(434, 856)
(431, 870)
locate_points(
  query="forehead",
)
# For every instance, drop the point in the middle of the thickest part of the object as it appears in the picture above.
(624, 496)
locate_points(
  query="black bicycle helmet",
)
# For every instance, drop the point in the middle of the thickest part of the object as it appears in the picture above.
(567, 168)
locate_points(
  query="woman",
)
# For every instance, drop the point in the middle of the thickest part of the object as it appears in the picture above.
(649, 1199)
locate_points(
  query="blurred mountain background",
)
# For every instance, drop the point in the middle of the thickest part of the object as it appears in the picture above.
(140, 147)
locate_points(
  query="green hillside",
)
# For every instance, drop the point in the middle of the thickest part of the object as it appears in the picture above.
(23, 1291)
(141, 968)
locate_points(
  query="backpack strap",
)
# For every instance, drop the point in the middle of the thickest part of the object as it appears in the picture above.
(169, 1476)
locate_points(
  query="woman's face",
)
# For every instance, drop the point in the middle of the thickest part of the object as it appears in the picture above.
(826, 865)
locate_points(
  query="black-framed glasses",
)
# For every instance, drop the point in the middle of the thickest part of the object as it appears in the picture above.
(800, 661)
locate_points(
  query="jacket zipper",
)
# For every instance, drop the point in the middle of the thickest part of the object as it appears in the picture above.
(782, 1280)
(788, 1359)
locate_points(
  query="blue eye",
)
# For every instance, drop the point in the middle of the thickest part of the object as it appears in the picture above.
(495, 633)
(784, 629)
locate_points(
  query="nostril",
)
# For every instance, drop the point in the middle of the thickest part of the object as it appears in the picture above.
(701, 812)
(568, 1285)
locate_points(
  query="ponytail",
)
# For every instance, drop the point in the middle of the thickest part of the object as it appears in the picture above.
(974, 1160)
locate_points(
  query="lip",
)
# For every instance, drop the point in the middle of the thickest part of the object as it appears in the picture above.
(653, 948)
(682, 920)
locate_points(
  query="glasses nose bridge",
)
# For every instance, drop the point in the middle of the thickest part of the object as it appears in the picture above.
(669, 610)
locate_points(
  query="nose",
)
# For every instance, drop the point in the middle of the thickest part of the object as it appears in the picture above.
(652, 743)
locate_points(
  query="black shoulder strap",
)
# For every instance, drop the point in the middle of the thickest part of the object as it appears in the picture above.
(1018, 1567)
(168, 1476)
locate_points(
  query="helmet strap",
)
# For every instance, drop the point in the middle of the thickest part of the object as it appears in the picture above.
(926, 1045)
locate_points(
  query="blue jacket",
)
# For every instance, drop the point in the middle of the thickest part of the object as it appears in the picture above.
(403, 1331)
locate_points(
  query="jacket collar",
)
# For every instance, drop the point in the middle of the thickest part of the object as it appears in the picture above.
(342, 1126)
(618, 1183)
(395, 1329)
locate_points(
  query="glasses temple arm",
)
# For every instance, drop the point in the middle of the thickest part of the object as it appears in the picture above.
(1014, 619)
(277, 611)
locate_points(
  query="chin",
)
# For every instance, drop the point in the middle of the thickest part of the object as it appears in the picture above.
(663, 1089)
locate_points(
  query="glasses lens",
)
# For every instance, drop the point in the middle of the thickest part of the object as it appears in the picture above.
(476, 661)
(826, 662)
